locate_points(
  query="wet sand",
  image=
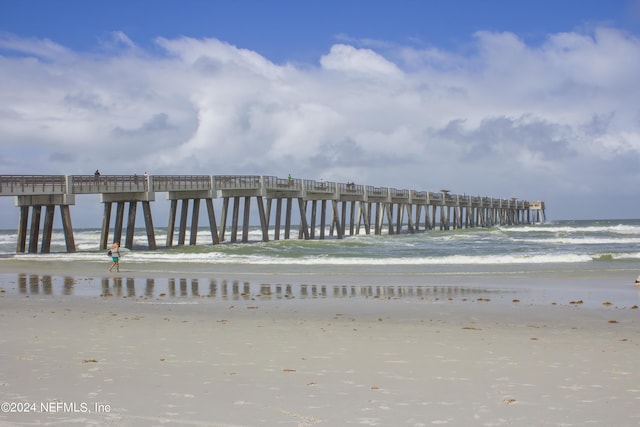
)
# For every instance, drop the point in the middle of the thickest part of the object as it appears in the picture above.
(134, 350)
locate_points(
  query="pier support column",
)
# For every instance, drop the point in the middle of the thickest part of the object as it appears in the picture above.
(148, 222)
(427, 218)
(196, 196)
(117, 231)
(336, 220)
(234, 219)
(312, 226)
(444, 217)
(323, 218)
(367, 216)
(457, 218)
(343, 217)
(304, 227)
(379, 218)
(276, 231)
(389, 210)
(131, 224)
(35, 203)
(363, 217)
(65, 212)
(23, 222)
(400, 217)
(245, 219)
(212, 221)
(264, 219)
(223, 219)
(434, 211)
(47, 229)
(172, 222)
(352, 217)
(35, 229)
(332, 222)
(410, 226)
(195, 215)
(106, 220)
(182, 232)
(287, 220)
(417, 220)
(121, 199)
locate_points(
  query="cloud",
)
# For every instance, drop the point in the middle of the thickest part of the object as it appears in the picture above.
(500, 118)
(44, 49)
(117, 40)
(361, 61)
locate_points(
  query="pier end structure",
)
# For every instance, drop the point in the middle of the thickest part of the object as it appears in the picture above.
(537, 210)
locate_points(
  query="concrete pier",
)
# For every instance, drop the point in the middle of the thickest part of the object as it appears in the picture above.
(184, 189)
(35, 204)
(352, 208)
(32, 193)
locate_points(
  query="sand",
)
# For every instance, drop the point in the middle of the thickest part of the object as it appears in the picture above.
(120, 351)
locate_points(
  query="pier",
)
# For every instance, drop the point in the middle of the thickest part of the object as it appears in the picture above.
(351, 208)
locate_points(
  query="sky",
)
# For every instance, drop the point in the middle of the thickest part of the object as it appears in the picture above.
(536, 100)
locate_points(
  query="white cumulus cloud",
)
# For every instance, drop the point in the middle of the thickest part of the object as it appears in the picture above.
(503, 118)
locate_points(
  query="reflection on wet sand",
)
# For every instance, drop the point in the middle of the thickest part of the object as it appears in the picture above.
(233, 289)
(35, 284)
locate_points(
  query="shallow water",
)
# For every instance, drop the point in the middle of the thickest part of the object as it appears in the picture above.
(561, 262)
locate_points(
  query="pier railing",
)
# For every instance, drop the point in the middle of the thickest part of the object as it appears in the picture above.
(398, 194)
(32, 184)
(351, 189)
(323, 187)
(237, 182)
(282, 184)
(419, 196)
(270, 186)
(377, 193)
(92, 184)
(163, 183)
(436, 198)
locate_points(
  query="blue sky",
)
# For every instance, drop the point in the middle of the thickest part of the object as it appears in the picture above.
(527, 99)
(303, 30)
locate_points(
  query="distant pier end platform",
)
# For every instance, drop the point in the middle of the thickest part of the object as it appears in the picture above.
(346, 208)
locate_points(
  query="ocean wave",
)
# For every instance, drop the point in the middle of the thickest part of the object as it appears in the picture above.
(565, 242)
(577, 229)
(220, 258)
(583, 241)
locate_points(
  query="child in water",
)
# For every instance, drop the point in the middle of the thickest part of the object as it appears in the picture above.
(115, 256)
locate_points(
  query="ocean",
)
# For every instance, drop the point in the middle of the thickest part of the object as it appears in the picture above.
(563, 251)
(553, 245)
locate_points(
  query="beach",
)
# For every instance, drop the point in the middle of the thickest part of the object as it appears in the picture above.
(253, 348)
